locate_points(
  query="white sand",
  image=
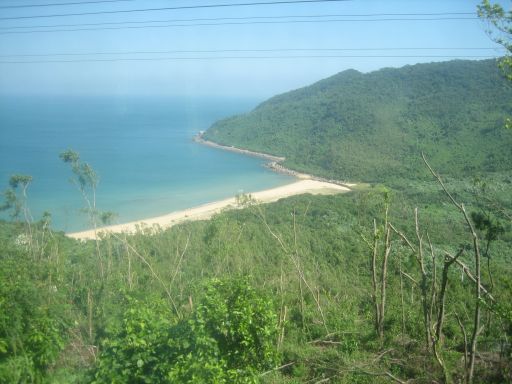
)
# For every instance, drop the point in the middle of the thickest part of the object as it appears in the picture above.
(206, 211)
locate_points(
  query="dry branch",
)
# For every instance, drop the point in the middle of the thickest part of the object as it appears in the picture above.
(478, 286)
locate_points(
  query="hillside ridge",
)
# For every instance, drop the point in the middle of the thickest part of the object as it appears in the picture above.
(373, 126)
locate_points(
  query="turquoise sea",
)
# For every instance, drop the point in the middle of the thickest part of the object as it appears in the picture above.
(141, 148)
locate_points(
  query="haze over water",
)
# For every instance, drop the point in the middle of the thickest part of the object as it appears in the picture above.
(141, 148)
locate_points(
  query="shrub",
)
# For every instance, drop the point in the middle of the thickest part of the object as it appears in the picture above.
(229, 339)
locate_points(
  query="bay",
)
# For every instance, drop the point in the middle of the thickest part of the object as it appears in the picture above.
(140, 147)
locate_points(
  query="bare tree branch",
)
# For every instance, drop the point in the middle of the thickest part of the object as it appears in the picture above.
(477, 296)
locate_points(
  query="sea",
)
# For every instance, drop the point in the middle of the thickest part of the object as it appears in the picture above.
(141, 148)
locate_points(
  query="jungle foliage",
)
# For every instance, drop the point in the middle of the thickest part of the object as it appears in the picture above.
(285, 285)
(371, 127)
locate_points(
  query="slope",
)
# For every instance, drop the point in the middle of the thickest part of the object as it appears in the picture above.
(373, 127)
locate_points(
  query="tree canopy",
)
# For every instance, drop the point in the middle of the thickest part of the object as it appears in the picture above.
(372, 127)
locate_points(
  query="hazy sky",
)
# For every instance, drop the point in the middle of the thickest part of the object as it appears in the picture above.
(251, 50)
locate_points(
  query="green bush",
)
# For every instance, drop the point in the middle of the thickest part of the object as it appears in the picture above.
(229, 339)
(136, 351)
(32, 329)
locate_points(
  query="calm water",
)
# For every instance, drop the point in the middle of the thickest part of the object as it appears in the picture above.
(141, 149)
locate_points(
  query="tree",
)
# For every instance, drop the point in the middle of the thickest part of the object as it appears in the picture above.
(16, 196)
(86, 179)
(16, 202)
(501, 32)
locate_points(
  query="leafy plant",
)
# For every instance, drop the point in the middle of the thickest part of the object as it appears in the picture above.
(229, 339)
(32, 324)
(137, 350)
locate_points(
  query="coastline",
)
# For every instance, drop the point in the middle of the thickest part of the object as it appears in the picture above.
(206, 211)
(305, 184)
(199, 139)
(274, 163)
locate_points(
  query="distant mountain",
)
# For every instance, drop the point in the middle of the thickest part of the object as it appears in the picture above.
(373, 127)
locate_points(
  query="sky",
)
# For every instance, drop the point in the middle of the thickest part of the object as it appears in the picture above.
(235, 48)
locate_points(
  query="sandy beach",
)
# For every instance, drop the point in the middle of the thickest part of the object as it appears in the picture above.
(206, 211)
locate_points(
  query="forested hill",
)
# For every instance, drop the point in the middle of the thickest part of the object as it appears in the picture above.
(373, 127)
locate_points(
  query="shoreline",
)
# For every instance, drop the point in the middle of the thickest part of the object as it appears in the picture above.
(304, 184)
(273, 164)
(206, 211)
(199, 139)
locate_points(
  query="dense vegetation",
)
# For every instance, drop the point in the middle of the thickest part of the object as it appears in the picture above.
(372, 127)
(229, 299)
(375, 286)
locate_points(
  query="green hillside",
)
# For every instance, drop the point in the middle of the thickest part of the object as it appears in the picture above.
(394, 283)
(372, 127)
(278, 293)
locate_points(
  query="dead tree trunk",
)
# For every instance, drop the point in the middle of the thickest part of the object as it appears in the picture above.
(379, 277)
(477, 290)
(375, 295)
